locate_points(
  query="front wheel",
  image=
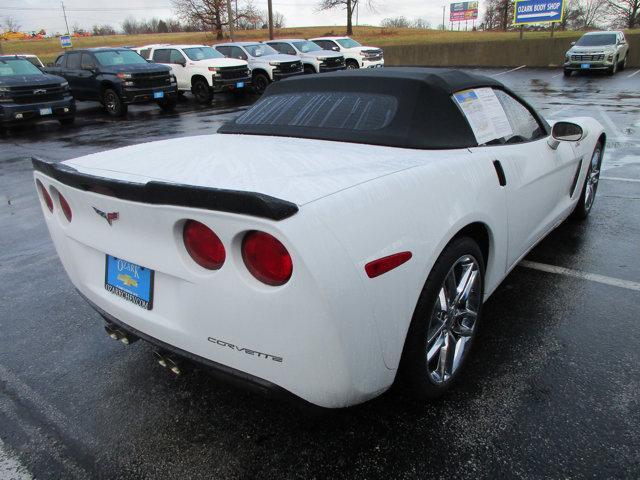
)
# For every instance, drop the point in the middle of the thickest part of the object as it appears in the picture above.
(567, 72)
(67, 121)
(623, 64)
(167, 104)
(260, 83)
(445, 320)
(588, 194)
(201, 90)
(352, 65)
(113, 103)
(613, 68)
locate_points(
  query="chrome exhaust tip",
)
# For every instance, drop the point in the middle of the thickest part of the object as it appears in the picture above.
(117, 334)
(172, 363)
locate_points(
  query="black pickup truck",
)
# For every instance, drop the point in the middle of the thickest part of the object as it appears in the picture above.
(116, 77)
(27, 94)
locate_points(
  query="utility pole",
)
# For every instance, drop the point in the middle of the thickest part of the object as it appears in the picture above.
(64, 12)
(270, 13)
(357, 12)
(443, 10)
(230, 15)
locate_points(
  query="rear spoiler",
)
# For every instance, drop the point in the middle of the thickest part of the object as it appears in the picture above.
(164, 193)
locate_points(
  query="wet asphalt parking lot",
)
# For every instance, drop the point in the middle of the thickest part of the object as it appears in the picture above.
(552, 390)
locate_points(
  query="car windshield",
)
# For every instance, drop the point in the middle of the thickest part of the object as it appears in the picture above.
(34, 61)
(306, 46)
(348, 43)
(597, 40)
(118, 57)
(17, 66)
(260, 50)
(202, 53)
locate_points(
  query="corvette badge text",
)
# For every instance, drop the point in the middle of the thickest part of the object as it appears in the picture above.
(248, 351)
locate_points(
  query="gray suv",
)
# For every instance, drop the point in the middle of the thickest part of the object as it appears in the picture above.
(597, 51)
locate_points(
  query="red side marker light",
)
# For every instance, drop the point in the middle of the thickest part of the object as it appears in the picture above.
(384, 264)
(45, 195)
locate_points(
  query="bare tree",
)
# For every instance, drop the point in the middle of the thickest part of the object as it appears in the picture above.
(589, 13)
(210, 14)
(420, 23)
(348, 5)
(395, 22)
(10, 24)
(625, 13)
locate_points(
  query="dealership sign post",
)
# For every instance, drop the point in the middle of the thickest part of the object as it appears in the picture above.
(538, 11)
(463, 12)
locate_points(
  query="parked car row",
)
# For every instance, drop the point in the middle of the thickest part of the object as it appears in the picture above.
(120, 76)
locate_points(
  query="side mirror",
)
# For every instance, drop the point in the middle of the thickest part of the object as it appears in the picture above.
(336, 49)
(567, 132)
(573, 43)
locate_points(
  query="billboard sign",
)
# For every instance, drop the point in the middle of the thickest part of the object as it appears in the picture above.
(463, 11)
(537, 11)
(65, 41)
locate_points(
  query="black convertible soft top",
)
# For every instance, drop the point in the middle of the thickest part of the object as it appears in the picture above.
(400, 107)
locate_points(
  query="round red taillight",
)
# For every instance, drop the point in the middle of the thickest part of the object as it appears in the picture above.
(203, 245)
(266, 258)
(64, 205)
(45, 195)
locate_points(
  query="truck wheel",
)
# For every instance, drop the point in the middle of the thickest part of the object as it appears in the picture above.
(113, 103)
(167, 104)
(352, 64)
(309, 69)
(623, 63)
(260, 83)
(201, 90)
(567, 72)
(445, 321)
(67, 121)
(613, 68)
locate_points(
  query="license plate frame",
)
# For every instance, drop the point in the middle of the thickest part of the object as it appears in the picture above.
(46, 111)
(157, 95)
(119, 280)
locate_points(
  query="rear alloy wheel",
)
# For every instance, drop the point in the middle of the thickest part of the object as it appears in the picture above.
(201, 90)
(352, 65)
(260, 83)
(113, 103)
(590, 187)
(446, 319)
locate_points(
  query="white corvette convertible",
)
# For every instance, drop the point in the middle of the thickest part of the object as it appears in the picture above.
(340, 233)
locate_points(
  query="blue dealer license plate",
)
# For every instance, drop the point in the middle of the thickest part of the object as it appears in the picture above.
(129, 281)
(158, 94)
(240, 85)
(585, 65)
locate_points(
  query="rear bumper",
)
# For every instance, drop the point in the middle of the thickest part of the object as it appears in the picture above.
(220, 85)
(142, 95)
(63, 108)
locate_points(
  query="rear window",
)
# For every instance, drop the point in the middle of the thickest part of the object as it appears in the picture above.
(322, 110)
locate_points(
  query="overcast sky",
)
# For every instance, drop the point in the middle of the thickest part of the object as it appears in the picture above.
(47, 14)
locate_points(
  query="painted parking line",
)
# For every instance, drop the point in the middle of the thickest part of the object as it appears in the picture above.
(634, 73)
(593, 277)
(556, 76)
(620, 179)
(509, 71)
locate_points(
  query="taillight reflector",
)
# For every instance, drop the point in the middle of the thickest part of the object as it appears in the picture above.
(266, 258)
(384, 264)
(203, 245)
(45, 195)
(66, 209)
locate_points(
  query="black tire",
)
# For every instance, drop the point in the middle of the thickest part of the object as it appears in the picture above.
(613, 68)
(623, 63)
(113, 103)
(352, 64)
(260, 82)
(168, 104)
(567, 72)
(308, 69)
(416, 369)
(202, 91)
(586, 200)
(67, 121)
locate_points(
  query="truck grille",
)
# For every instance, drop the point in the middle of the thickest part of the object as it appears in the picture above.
(151, 80)
(332, 62)
(372, 54)
(288, 67)
(37, 94)
(232, 73)
(588, 58)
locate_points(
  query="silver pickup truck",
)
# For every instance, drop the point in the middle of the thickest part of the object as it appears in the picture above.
(597, 51)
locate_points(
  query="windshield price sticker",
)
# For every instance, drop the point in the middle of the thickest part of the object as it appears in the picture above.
(484, 113)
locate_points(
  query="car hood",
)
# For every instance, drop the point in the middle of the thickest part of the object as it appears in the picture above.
(293, 169)
(218, 62)
(35, 80)
(321, 54)
(603, 48)
(365, 49)
(136, 68)
(278, 57)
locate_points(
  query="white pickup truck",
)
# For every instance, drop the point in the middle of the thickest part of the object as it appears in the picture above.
(355, 55)
(266, 64)
(314, 58)
(200, 69)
